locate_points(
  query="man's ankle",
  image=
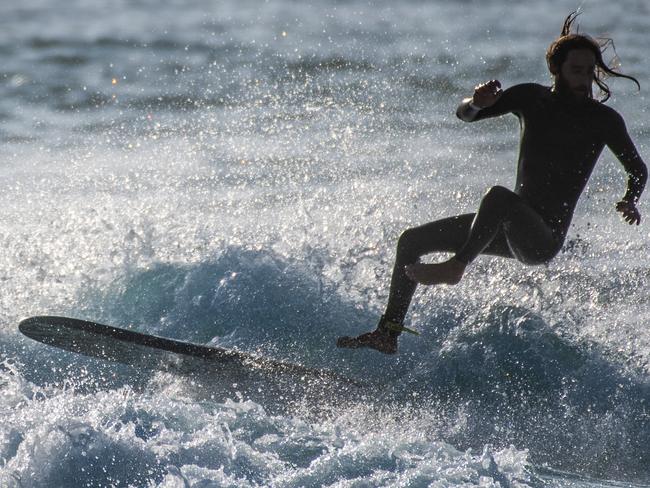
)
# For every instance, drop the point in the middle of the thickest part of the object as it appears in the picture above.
(392, 328)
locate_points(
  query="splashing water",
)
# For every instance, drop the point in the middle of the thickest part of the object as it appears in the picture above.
(239, 176)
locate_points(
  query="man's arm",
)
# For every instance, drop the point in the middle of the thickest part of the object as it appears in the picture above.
(490, 101)
(620, 143)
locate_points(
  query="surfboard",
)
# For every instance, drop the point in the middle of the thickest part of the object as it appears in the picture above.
(215, 365)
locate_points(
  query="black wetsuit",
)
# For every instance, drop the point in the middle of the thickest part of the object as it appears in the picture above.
(561, 140)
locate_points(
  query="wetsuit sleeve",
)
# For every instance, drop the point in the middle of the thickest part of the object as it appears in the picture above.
(511, 101)
(619, 142)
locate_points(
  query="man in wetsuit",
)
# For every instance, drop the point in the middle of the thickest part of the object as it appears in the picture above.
(563, 132)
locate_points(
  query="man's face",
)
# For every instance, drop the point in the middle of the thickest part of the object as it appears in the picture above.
(577, 73)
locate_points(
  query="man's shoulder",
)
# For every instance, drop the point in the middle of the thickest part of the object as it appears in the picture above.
(528, 94)
(608, 114)
(530, 88)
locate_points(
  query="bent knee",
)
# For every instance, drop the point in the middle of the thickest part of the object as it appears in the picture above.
(406, 240)
(501, 194)
(409, 245)
(500, 201)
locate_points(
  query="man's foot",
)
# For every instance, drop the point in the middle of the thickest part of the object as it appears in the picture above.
(382, 340)
(447, 273)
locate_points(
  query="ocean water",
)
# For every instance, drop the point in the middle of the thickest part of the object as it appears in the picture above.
(238, 173)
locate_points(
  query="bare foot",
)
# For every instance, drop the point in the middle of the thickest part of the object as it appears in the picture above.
(381, 340)
(449, 272)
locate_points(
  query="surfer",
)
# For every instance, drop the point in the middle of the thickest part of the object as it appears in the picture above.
(563, 131)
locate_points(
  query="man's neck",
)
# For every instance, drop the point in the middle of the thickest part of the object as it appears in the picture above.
(566, 96)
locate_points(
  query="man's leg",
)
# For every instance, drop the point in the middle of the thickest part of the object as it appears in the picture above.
(529, 237)
(446, 235)
(502, 212)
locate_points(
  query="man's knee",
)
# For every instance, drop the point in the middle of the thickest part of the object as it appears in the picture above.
(407, 245)
(499, 192)
(499, 196)
(405, 240)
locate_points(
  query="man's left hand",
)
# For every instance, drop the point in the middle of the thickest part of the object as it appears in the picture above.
(630, 212)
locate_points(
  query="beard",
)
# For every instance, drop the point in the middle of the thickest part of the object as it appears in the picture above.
(563, 88)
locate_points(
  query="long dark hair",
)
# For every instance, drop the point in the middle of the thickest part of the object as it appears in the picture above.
(559, 50)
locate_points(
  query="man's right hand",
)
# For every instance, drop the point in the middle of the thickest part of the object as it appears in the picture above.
(486, 94)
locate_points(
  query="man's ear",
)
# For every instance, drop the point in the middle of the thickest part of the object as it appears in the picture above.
(553, 68)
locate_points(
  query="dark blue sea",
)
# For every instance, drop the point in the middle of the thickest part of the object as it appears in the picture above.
(237, 173)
